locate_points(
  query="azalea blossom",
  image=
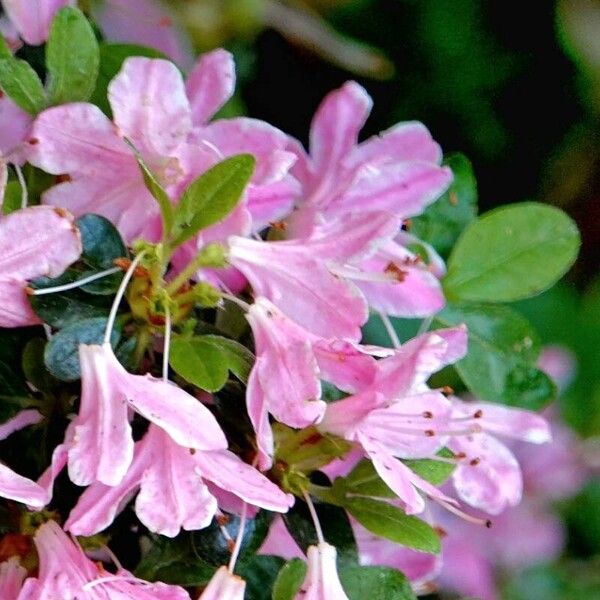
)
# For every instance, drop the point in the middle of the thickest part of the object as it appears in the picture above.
(322, 581)
(178, 487)
(34, 242)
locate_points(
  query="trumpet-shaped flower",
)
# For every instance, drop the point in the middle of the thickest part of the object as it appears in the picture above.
(99, 439)
(174, 492)
(322, 581)
(66, 573)
(34, 242)
(224, 585)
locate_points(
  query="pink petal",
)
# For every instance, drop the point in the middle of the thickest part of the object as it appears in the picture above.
(12, 575)
(150, 105)
(39, 241)
(172, 495)
(19, 421)
(404, 189)
(33, 17)
(57, 464)
(228, 471)
(210, 84)
(322, 581)
(335, 127)
(259, 417)
(102, 445)
(224, 585)
(409, 141)
(15, 310)
(16, 124)
(279, 542)
(273, 202)
(16, 487)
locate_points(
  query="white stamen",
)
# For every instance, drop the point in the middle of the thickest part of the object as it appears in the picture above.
(244, 305)
(167, 344)
(238, 540)
(315, 517)
(24, 193)
(390, 330)
(75, 284)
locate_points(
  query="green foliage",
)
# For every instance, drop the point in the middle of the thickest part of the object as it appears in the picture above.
(212, 196)
(511, 253)
(22, 84)
(394, 524)
(375, 583)
(206, 360)
(289, 580)
(500, 365)
(72, 57)
(34, 368)
(61, 356)
(442, 223)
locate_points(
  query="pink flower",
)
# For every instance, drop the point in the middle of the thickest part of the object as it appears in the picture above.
(65, 572)
(12, 575)
(16, 124)
(32, 18)
(322, 581)
(175, 486)
(399, 416)
(224, 585)
(397, 172)
(99, 439)
(34, 242)
(488, 475)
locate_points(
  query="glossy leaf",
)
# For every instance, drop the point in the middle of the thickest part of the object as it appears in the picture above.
(289, 580)
(375, 583)
(199, 362)
(442, 223)
(239, 359)
(19, 81)
(511, 253)
(72, 57)
(33, 365)
(394, 524)
(260, 573)
(500, 365)
(4, 49)
(62, 351)
(212, 196)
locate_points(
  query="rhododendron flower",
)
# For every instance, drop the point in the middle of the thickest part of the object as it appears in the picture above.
(175, 485)
(488, 475)
(224, 585)
(12, 575)
(398, 416)
(99, 439)
(34, 242)
(32, 18)
(322, 581)
(65, 572)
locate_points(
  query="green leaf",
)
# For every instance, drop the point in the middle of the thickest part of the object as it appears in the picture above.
(442, 223)
(72, 57)
(112, 57)
(33, 365)
(13, 392)
(500, 365)
(157, 191)
(4, 49)
(434, 471)
(199, 362)
(260, 574)
(289, 580)
(375, 583)
(102, 244)
(22, 84)
(392, 523)
(212, 196)
(238, 358)
(511, 253)
(62, 351)
(12, 197)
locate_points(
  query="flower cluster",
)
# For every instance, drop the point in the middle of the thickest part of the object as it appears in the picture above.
(230, 218)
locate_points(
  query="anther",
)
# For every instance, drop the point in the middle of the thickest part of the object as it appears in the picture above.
(279, 225)
(447, 390)
(478, 414)
(429, 432)
(396, 272)
(440, 531)
(427, 414)
(475, 461)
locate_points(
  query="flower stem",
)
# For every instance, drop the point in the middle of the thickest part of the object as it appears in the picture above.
(315, 517)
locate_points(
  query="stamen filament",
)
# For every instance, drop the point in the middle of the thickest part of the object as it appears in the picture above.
(463, 515)
(74, 284)
(390, 330)
(119, 296)
(238, 539)
(24, 193)
(167, 343)
(244, 305)
(315, 517)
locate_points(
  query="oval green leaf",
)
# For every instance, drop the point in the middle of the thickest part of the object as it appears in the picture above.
(22, 84)
(289, 580)
(511, 253)
(375, 583)
(199, 362)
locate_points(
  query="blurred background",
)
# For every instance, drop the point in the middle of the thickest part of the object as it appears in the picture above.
(516, 88)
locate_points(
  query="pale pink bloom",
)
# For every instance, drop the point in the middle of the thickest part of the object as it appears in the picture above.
(398, 172)
(322, 581)
(99, 439)
(34, 242)
(174, 494)
(32, 18)
(398, 416)
(144, 22)
(66, 573)
(488, 475)
(224, 585)
(305, 278)
(12, 575)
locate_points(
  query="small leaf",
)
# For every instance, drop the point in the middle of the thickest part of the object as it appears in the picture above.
(112, 57)
(72, 57)
(500, 365)
(375, 583)
(12, 197)
(289, 580)
(212, 196)
(392, 523)
(33, 365)
(511, 253)
(238, 358)
(4, 49)
(260, 573)
(442, 223)
(62, 351)
(199, 362)
(22, 84)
